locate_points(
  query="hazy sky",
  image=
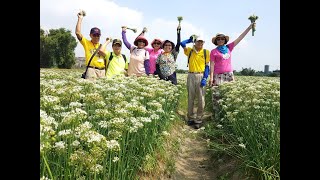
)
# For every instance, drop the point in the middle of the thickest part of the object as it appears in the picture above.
(202, 17)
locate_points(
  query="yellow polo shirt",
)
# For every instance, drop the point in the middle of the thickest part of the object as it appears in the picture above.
(89, 49)
(196, 61)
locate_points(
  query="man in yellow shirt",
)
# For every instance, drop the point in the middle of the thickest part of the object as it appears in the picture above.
(116, 62)
(96, 68)
(198, 62)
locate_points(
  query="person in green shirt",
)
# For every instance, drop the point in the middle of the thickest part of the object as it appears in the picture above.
(115, 61)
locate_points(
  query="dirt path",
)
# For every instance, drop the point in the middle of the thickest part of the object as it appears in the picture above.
(194, 162)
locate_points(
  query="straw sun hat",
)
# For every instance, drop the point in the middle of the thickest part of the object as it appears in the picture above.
(220, 35)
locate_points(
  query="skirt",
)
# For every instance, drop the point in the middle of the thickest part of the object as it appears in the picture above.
(221, 78)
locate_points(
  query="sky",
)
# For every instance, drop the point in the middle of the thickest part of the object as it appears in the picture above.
(202, 17)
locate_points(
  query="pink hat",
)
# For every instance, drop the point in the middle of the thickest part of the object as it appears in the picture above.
(157, 39)
(140, 38)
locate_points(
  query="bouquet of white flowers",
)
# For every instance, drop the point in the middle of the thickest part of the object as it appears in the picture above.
(253, 19)
(133, 29)
(180, 18)
(145, 30)
(82, 12)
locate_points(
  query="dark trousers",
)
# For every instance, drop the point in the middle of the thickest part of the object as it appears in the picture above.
(172, 77)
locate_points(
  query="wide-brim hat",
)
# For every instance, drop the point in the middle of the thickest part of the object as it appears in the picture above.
(220, 35)
(156, 39)
(140, 38)
(166, 41)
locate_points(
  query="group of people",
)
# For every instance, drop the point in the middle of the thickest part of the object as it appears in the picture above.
(160, 59)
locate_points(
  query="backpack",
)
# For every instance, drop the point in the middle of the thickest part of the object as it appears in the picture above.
(205, 57)
(110, 58)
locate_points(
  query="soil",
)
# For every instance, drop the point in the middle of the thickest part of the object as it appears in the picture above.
(195, 162)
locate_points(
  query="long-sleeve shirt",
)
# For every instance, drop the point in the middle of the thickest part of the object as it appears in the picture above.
(137, 58)
(167, 61)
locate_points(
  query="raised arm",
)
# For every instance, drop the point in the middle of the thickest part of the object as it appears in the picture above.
(185, 42)
(245, 32)
(78, 26)
(149, 49)
(142, 33)
(178, 38)
(103, 48)
(124, 38)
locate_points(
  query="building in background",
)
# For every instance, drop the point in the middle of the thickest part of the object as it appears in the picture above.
(80, 62)
(266, 69)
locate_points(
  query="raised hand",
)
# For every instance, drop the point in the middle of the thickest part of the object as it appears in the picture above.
(81, 14)
(124, 28)
(179, 27)
(109, 39)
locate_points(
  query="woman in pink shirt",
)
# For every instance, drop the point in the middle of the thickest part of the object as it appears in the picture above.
(220, 58)
(154, 53)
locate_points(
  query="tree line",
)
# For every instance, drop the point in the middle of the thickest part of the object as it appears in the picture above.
(57, 48)
(246, 72)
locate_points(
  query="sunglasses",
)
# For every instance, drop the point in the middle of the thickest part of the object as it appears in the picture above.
(218, 39)
(96, 35)
(157, 43)
(141, 41)
(167, 45)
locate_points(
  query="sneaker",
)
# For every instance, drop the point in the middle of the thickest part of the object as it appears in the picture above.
(197, 121)
(197, 126)
(190, 122)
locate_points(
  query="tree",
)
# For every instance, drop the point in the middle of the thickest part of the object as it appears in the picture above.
(181, 71)
(65, 44)
(57, 48)
(45, 60)
(247, 72)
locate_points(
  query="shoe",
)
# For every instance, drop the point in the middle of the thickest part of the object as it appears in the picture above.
(197, 121)
(197, 126)
(190, 122)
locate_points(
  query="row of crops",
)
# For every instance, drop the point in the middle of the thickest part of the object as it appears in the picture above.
(101, 130)
(108, 129)
(246, 124)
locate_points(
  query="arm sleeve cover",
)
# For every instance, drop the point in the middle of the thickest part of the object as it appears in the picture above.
(185, 42)
(147, 66)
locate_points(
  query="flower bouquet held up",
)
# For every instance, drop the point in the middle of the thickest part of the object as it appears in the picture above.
(193, 37)
(180, 18)
(253, 19)
(82, 12)
(144, 30)
(109, 39)
(133, 29)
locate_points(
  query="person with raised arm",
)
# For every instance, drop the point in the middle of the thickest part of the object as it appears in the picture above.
(139, 57)
(95, 66)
